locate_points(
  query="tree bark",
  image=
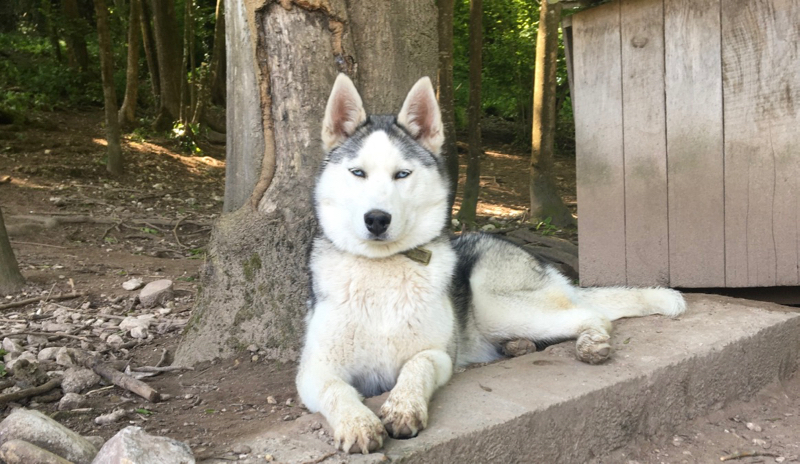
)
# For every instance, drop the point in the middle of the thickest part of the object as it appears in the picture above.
(545, 200)
(446, 93)
(127, 112)
(75, 36)
(168, 50)
(11, 280)
(469, 203)
(283, 59)
(114, 161)
(52, 32)
(150, 48)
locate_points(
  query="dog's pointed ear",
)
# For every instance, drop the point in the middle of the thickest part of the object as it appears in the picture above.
(343, 114)
(421, 117)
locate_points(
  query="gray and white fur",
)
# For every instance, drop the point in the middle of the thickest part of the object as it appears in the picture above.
(382, 321)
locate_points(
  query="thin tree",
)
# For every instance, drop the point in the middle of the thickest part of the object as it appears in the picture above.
(217, 67)
(545, 200)
(168, 50)
(11, 280)
(446, 94)
(114, 162)
(75, 36)
(150, 48)
(127, 112)
(469, 204)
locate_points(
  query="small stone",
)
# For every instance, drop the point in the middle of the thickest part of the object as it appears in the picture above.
(488, 227)
(56, 327)
(254, 358)
(289, 402)
(42, 431)
(78, 379)
(287, 417)
(26, 356)
(316, 426)
(66, 357)
(11, 345)
(156, 292)
(48, 354)
(131, 444)
(71, 401)
(115, 340)
(271, 400)
(241, 449)
(753, 427)
(252, 348)
(455, 223)
(37, 340)
(164, 311)
(111, 417)
(780, 459)
(139, 333)
(132, 284)
(759, 442)
(269, 458)
(22, 452)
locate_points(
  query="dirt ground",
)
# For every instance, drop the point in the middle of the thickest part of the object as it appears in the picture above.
(75, 229)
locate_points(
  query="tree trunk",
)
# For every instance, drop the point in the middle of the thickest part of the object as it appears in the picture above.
(545, 200)
(168, 50)
(283, 59)
(472, 185)
(127, 112)
(446, 94)
(217, 68)
(11, 280)
(114, 162)
(75, 36)
(150, 49)
(52, 32)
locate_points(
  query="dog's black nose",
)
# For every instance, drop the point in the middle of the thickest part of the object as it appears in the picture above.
(377, 221)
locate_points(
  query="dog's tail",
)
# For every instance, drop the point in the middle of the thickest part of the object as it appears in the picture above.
(618, 302)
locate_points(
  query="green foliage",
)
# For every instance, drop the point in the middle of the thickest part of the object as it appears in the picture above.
(509, 54)
(545, 227)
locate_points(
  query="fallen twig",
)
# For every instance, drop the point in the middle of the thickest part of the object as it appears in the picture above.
(123, 381)
(16, 304)
(112, 226)
(48, 334)
(164, 358)
(106, 220)
(15, 242)
(161, 369)
(28, 392)
(175, 232)
(745, 454)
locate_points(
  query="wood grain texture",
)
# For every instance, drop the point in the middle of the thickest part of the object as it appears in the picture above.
(761, 83)
(694, 143)
(644, 129)
(598, 139)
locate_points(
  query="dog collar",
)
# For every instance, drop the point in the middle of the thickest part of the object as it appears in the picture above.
(419, 254)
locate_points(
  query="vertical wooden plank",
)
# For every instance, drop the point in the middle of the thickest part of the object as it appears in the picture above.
(598, 140)
(644, 134)
(761, 87)
(694, 143)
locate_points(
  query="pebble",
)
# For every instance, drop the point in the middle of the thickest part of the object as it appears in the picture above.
(78, 379)
(156, 292)
(111, 417)
(753, 427)
(71, 401)
(22, 452)
(271, 400)
(132, 444)
(132, 284)
(11, 345)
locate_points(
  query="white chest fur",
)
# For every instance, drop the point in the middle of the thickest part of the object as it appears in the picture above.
(372, 315)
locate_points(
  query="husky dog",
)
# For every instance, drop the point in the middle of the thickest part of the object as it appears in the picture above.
(396, 303)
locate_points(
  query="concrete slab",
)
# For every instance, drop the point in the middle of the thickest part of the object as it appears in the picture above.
(549, 407)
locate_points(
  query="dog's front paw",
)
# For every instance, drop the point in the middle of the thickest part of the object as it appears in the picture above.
(404, 418)
(361, 433)
(592, 347)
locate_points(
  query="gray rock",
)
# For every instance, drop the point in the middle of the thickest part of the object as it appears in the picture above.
(66, 357)
(241, 449)
(47, 354)
(115, 340)
(71, 401)
(22, 452)
(56, 327)
(78, 379)
(37, 340)
(132, 444)
(38, 429)
(133, 284)
(156, 292)
(24, 356)
(11, 345)
(139, 332)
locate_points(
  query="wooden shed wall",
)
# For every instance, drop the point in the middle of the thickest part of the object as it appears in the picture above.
(687, 116)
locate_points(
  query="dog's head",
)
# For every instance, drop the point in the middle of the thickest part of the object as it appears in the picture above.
(383, 188)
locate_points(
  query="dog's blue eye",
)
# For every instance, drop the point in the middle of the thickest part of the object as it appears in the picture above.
(402, 174)
(358, 173)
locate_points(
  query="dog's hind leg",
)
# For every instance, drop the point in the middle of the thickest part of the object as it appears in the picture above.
(405, 412)
(355, 427)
